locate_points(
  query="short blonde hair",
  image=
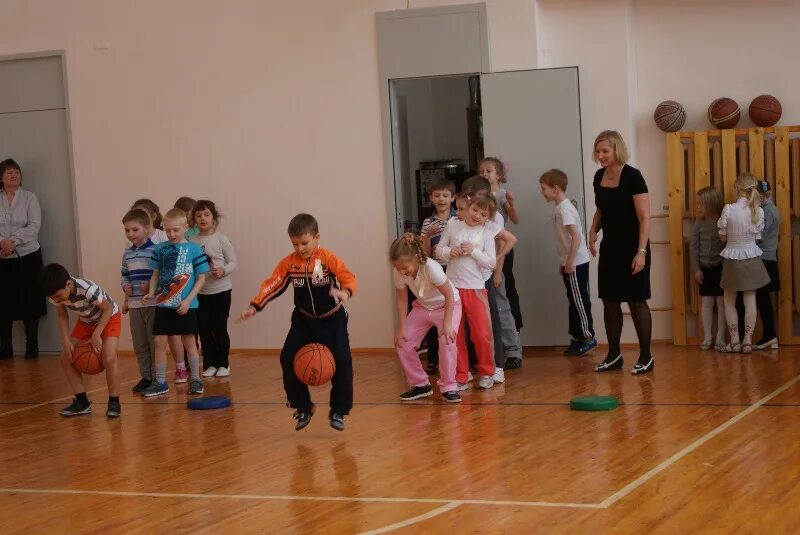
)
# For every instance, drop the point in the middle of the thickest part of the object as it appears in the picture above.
(176, 214)
(617, 143)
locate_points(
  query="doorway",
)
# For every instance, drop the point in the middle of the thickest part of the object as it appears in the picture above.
(34, 131)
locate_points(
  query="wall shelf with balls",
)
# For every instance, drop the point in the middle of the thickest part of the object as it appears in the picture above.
(715, 158)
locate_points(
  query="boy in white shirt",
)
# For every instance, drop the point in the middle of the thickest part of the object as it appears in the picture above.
(574, 261)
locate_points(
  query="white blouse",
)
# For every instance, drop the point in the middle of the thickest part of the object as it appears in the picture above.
(20, 221)
(737, 225)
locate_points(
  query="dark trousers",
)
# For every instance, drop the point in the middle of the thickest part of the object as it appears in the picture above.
(332, 333)
(212, 322)
(765, 312)
(511, 288)
(581, 326)
(31, 333)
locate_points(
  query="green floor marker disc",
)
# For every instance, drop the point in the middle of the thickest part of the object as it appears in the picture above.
(593, 403)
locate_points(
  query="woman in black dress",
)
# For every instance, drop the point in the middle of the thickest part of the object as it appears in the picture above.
(623, 214)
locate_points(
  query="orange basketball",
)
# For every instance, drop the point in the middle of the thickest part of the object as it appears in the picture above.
(85, 360)
(765, 110)
(314, 364)
(724, 113)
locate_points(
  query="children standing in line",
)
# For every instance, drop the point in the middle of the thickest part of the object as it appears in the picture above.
(468, 247)
(215, 296)
(769, 248)
(740, 225)
(99, 323)
(573, 257)
(441, 193)
(179, 272)
(437, 305)
(493, 170)
(135, 280)
(705, 248)
(322, 284)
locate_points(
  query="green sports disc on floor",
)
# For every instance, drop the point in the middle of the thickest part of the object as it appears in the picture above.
(593, 403)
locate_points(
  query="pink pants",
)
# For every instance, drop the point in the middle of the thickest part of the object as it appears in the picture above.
(418, 322)
(475, 305)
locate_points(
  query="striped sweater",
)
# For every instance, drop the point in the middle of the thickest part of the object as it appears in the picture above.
(136, 272)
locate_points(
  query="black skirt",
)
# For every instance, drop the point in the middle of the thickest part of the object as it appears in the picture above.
(615, 280)
(22, 299)
(711, 281)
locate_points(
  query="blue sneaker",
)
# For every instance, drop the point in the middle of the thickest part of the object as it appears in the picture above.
(155, 389)
(584, 347)
(570, 351)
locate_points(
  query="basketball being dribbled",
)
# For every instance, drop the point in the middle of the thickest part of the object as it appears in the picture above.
(765, 110)
(314, 364)
(669, 116)
(724, 113)
(85, 360)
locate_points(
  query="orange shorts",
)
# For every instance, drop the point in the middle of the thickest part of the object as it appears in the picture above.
(84, 331)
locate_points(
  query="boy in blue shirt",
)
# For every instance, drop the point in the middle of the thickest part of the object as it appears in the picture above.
(179, 272)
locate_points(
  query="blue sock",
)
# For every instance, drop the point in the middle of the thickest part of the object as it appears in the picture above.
(161, 373)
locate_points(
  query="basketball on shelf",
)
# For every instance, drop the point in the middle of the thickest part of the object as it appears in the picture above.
(85, 360)
(724, 113)
(669, 116)
(765, 110)
(314, 364)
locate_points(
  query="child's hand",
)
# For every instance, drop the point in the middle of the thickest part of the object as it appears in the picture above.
(96, 342)
(340, 294)
(449, 333)
(456, 251)
(497, 278)
(128, 289)
(509, 199)
(218, 272)
(698, 276)
(467, 248)
(593, 242)
(69, 348)
(246, 314)
(124, 307)
(147, 298)
(569, 267)
(399, 337)
(184, 307)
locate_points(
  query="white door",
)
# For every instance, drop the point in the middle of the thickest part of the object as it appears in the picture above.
(33, 131)
(531, 121)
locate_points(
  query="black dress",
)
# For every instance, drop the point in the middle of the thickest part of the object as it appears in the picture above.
(620, 241)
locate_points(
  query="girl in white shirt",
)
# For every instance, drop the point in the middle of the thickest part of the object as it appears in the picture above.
(468, 247)
(437, 305)
(740, 225)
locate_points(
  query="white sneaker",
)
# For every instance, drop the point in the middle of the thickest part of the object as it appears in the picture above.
(485, 382)
(470, 377)
(210, 371)
(462, 386)
(499, 376)
(223, 372)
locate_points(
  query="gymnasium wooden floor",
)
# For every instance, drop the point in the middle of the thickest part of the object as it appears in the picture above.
(705, 444)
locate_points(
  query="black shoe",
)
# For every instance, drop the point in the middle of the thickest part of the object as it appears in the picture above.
(6, 350)
(451, 397)
(416, 392)
(141, 385)
(303, 418)
(337, 421)
(610, 363)
(432, 369)
(645, 367)
(114, 409)
(31, 352)
(570, 351)
(513, 363)
(77, 408)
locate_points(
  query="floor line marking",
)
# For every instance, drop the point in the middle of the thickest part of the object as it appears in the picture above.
(414, 519)
(79, 492)
(644, 478)
(65, 398)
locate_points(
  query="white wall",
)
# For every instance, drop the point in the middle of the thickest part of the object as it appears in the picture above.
(271, 108)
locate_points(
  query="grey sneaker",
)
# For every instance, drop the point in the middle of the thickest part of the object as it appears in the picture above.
(196, 386)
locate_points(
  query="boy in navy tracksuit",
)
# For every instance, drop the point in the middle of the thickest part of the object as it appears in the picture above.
(322, 283)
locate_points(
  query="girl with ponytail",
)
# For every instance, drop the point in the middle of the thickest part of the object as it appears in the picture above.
(437, 305)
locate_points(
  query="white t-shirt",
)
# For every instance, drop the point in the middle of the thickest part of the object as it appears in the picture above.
(425, 286)
(499, 224)
(566, 214)
(466, 272)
